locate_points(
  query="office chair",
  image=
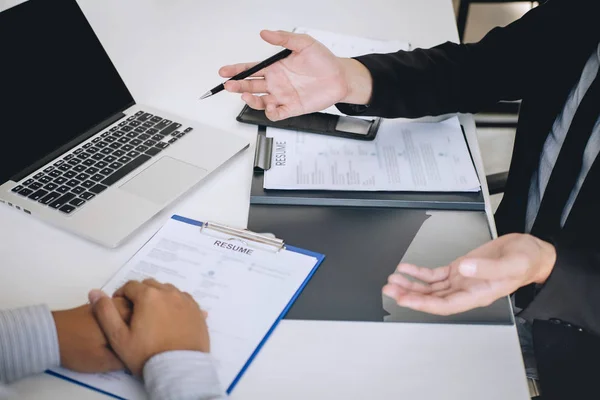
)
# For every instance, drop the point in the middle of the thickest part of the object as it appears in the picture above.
(463, 12)
(496, 182)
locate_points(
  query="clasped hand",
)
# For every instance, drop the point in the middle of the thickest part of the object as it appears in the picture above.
(142, 319)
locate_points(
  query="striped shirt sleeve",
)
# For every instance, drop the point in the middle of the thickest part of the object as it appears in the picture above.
(28, 342)
(29, 345)
(182, 375)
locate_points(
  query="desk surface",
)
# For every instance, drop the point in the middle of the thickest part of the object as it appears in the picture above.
(168, 52)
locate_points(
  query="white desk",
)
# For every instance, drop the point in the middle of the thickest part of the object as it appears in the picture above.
(168, 52)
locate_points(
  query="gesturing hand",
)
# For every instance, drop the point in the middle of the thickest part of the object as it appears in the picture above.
(82, 344)
(163, 319)
(311, 79)
(490, 272)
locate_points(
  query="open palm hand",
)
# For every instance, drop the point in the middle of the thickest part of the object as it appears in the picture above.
(490, 272)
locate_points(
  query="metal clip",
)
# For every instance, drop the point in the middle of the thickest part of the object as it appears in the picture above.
(246, 235)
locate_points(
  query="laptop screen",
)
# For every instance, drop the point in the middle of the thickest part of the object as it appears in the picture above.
(56, 82)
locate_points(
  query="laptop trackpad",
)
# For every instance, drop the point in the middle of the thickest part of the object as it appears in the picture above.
(164, 180)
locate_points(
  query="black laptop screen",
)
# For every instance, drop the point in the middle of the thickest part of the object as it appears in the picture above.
(56, 82)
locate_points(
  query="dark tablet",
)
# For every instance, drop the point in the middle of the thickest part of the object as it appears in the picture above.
(321, 123)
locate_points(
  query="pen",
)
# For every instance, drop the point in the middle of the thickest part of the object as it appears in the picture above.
(243, 75)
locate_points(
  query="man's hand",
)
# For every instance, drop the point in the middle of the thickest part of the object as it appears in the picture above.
(490, 272)
(310, 79)
(164, 319)
(83, 346)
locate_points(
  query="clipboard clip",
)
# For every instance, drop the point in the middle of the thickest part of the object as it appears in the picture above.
(245, 235)
(264, 150)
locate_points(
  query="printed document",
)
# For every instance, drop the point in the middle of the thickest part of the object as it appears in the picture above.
(351, 46)
(405, 156)
(244, 289)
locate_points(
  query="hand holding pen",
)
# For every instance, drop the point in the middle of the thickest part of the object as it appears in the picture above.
(307, 79)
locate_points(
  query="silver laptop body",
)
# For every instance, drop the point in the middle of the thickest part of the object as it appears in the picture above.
(104, 181)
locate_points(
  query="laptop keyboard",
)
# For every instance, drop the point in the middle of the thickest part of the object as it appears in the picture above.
(84, 173)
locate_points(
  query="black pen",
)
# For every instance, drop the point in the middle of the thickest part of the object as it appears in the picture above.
(243, 75)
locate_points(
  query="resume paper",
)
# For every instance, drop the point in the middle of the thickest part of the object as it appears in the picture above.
(405, 156)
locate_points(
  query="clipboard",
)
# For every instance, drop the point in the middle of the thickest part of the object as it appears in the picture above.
(263, 156)
(260, 241)
(131, 388)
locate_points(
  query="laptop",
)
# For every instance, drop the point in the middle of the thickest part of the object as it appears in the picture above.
(77, 151)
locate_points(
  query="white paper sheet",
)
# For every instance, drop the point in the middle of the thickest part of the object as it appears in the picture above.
(351, 46)
(244, 294)
(405, 156)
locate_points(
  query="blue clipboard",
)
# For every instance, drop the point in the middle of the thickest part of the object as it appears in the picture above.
(247, 235)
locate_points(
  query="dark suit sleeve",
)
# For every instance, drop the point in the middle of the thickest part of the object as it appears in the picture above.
(453, 77)
(572, 292)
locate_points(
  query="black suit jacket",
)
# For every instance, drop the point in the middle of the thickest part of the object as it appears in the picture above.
(538, 59)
